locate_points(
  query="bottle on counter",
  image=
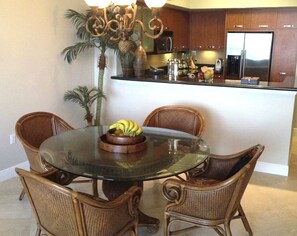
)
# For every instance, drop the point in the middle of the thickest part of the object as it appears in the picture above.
(173, 66)
(170, 67)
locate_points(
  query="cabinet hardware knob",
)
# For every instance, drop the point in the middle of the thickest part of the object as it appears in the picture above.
(288, 26)
(263, 26)
(238, 26)
(283, 73)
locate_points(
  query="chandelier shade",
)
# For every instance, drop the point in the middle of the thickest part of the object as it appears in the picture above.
(98, 3)
(123, 2)
(155, 3)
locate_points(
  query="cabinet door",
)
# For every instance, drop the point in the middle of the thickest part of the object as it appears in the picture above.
(262, 19)
(284, 55)
(181, 30)
(178, 22)
(197, 31)
(287, 18)
(207, 30)
(220, 36)
(238, 19)
(209, 37)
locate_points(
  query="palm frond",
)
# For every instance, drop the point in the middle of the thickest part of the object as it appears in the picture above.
(83, 34)
(73, 51)
(78, 19)
(74, 97)
(83, 96)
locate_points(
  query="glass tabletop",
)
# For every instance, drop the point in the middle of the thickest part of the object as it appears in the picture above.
(167, 153)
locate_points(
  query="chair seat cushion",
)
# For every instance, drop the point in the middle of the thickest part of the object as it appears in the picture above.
(203, 182)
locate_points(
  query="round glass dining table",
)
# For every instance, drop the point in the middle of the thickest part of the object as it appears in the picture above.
(166, 153)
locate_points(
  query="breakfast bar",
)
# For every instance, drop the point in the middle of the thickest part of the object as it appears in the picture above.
(237, 115)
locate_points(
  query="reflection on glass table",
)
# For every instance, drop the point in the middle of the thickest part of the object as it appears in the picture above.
(167, 153)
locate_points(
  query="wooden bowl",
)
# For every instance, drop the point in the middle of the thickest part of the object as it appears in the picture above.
(123, 140)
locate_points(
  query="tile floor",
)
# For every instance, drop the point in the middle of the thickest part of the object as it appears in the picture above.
(270, 203)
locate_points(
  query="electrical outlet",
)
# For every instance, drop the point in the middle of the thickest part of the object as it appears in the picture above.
(12, 138)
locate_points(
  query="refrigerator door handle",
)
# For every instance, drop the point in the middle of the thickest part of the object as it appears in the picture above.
(241, 64)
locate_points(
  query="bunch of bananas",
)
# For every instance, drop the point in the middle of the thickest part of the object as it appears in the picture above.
(126, 128)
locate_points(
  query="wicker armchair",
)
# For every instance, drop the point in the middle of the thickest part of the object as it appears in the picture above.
(60, 211)
(211, 198)
(177, 117)
(32, 129)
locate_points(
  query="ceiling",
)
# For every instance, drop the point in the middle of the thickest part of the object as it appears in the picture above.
(227, 4)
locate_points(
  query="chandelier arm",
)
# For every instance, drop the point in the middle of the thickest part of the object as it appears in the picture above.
(134, 12)
(105, 15)
(98, 24)
(122, 26)
(153, 36)
(111, 28)
(114, 30)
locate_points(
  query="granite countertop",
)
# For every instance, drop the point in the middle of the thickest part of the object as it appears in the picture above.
(286, 85)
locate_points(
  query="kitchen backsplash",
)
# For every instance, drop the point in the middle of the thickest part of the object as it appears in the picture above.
(200, 57)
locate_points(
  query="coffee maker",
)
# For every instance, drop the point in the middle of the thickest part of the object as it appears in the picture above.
(219, 65)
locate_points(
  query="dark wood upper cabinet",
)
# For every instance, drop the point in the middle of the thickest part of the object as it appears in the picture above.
(286, 18)
(251, 19)
(238, 19)
(177, 21)
(263, 19)
(207, 30)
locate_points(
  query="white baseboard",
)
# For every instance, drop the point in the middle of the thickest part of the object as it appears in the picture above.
(270, 168)
(10, 172)
(264, 167)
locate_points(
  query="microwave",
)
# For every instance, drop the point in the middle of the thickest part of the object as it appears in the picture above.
(164, 44)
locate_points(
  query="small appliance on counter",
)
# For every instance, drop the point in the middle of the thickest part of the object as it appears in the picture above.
(250, 80)
(219, 65)
(156, 72)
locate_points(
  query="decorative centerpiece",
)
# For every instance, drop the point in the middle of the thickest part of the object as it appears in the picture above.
(124, 136)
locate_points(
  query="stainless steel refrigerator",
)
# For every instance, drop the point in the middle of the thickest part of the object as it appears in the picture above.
(248, 55)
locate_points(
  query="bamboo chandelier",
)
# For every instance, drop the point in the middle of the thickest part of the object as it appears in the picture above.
(117, 18)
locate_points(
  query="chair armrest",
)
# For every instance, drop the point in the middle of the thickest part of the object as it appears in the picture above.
(130, 199)
(109, 217)
(201, 202)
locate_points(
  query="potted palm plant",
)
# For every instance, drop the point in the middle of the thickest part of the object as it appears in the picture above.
(87, 41)
(85, 98)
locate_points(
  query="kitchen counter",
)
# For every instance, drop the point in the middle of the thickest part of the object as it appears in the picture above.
(237, 115)
(287, 85)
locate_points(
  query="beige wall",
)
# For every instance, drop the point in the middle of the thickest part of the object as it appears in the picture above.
(194, 4)
(33, 74)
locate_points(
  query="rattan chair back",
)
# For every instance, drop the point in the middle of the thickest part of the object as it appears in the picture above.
(177, 117)
(60, 211)
(32, 129)
(212, 198)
